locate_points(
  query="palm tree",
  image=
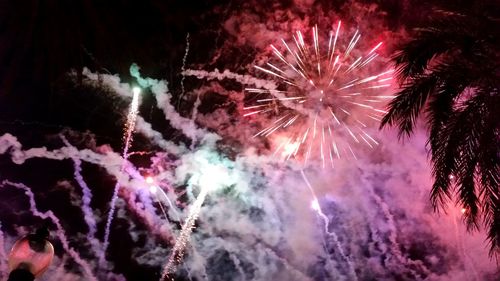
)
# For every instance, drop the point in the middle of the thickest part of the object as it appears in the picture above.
(449, 71)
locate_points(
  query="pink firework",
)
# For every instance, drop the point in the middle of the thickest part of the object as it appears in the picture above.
(324, 99)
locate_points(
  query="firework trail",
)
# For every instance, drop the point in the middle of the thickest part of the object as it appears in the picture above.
(328, 259)
(59, 232)
(187, 228)
(163, 100)
(196, 105)
(321, 97)
(88, 214)
(226, 74)
(131, 119)
(142, 126)
(210, 174)
(145, 210)
(111, 161)
(393, 236)
(154, 190)
(146, 197)
(160, 91)
(10, 145)
(238, 258)
(183, 69)
(160, 195)
(297, 273)
(321, 214)
(129, 130)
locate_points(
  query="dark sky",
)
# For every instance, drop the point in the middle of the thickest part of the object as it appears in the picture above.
(43, 42)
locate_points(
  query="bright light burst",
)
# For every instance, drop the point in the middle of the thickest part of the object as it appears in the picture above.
(325, 98)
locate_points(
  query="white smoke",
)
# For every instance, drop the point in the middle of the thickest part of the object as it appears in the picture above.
(259, 221)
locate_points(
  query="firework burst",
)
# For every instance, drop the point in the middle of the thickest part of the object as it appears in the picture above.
(324, 99)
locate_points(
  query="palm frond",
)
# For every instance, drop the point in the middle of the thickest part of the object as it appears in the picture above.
(456, 76)
(443, 35)
(439, 110)
(489, 168)
(447, 35)
(405, 108)
(449, 78)
(449, 69)
(493, 229)
(468, 148)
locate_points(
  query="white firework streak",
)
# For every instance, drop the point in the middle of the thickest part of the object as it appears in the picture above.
(127, 137)
(316, 207)
(323, 100)
(182, 240)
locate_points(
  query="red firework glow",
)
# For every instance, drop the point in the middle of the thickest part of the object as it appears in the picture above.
(324, 99)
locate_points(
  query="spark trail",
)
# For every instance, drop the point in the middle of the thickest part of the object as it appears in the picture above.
(395, 247)
(316, 207)
(160, 195)
(183, 69)
(181, 242)
(129, 130)
(324, 98)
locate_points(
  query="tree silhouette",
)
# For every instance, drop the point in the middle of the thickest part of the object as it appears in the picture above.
(449, 72)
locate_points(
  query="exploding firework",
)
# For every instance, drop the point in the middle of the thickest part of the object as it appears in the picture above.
(247, 231)
(325, 97)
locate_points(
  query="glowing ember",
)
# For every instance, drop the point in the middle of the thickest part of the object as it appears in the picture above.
(153, 189)
(315, 205)
(149, 180)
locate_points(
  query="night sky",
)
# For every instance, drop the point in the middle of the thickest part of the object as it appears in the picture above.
(66, 77)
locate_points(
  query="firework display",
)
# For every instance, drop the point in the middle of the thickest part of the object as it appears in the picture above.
(240, 166)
